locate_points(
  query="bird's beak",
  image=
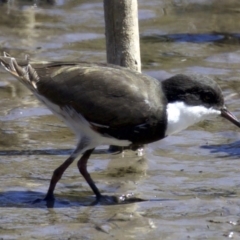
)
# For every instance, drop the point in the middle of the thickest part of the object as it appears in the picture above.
(229, 116)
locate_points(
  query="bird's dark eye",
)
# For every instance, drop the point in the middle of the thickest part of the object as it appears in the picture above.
(207, 97)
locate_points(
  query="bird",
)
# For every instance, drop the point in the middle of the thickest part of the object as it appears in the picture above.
(107, 104)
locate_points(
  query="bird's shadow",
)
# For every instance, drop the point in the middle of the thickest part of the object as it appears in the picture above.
(230, 149)
(34, 199)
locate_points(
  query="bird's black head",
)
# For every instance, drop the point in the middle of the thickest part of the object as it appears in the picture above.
(197, 90)
(193, 90)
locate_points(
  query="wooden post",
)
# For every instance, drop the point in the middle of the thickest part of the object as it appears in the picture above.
(122, 33)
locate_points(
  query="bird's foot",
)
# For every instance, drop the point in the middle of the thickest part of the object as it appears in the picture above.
(49, 199)
(104, 200)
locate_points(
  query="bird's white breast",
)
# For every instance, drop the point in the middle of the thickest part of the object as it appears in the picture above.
(181, 116)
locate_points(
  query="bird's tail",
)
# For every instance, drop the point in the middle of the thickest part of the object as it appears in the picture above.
(21, 69)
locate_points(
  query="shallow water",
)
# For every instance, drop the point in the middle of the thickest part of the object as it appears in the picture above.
(191, 180)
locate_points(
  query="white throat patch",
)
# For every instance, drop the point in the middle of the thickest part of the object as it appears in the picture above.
(181, 116)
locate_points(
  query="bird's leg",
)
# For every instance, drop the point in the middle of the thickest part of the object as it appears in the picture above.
(82, 166)
(57, 174)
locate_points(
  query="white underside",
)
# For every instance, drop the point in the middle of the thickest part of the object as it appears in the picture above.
(87, 137)
(181, 116)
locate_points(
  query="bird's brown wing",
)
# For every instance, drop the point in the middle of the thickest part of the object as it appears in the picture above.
(104, 95)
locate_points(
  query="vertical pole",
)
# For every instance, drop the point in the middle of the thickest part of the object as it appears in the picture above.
(122, 33)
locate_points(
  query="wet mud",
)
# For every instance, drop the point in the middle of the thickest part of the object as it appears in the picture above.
(189, 182)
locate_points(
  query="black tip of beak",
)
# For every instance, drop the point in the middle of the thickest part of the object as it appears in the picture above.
(230, 117)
